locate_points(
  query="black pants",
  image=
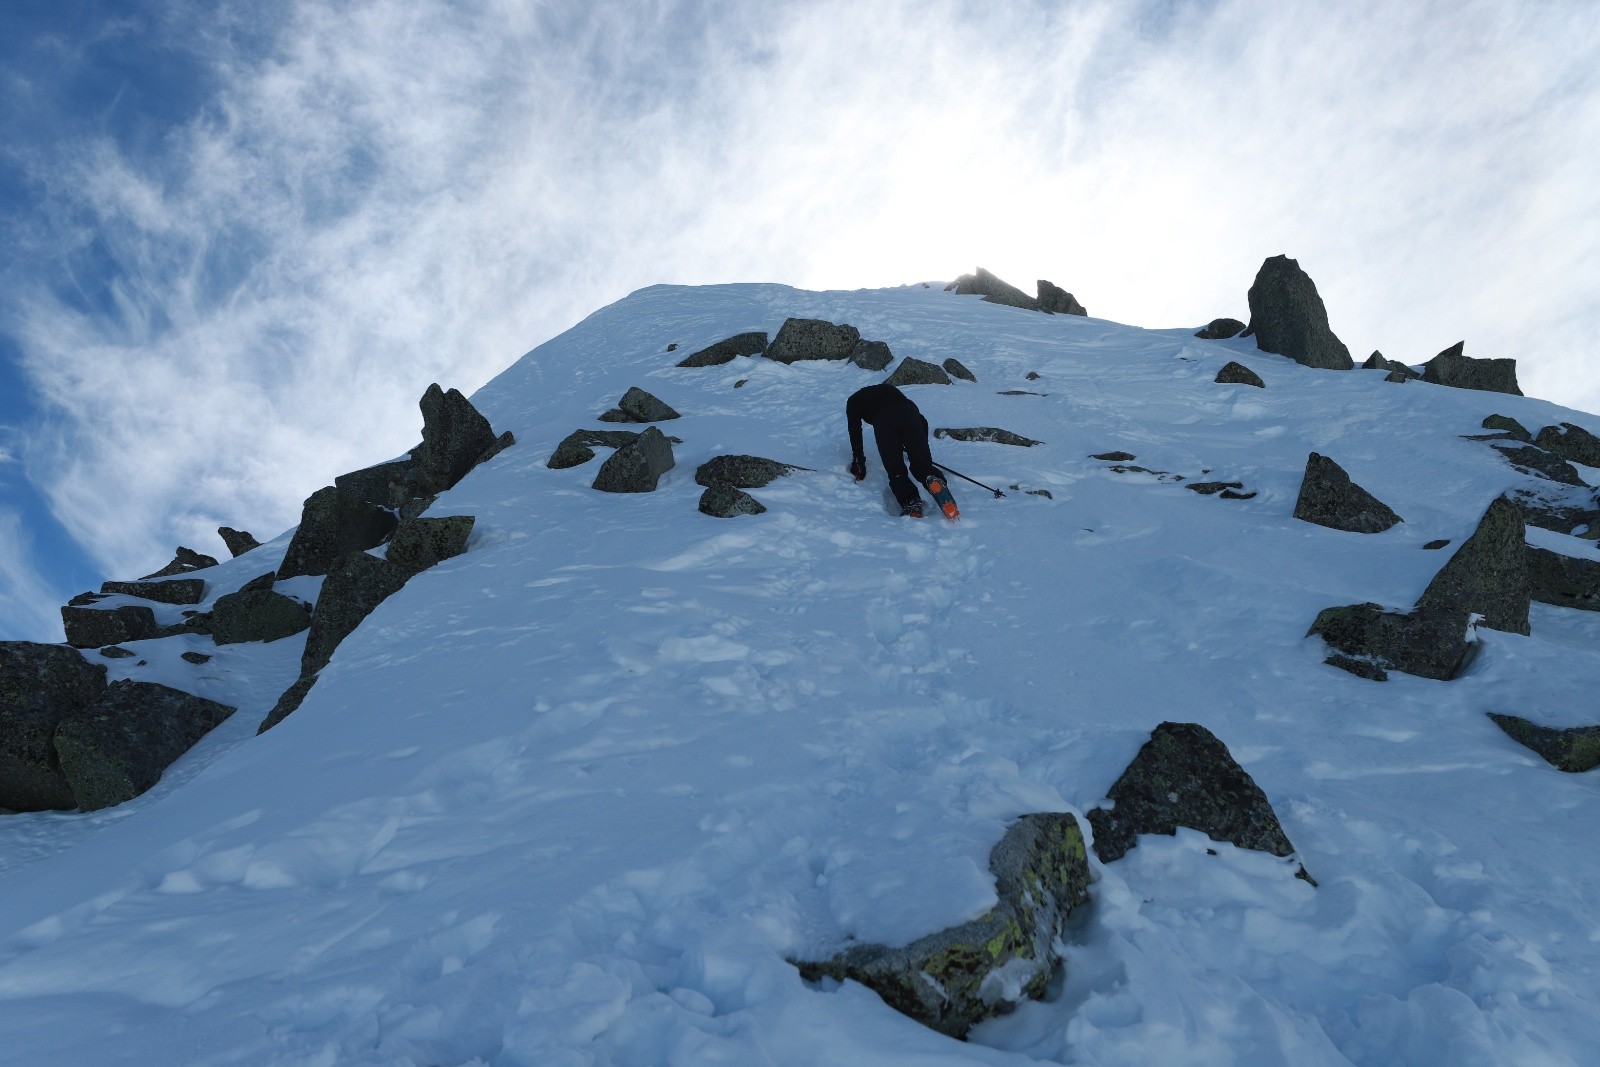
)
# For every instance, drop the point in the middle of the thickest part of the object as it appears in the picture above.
(901, 439)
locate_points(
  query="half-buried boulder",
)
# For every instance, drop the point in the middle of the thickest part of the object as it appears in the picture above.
(1488, 574)
(1236, 373)
(956, 369)
(1507, 425)
(741, 472)
(723, 501)
(1565, 581)
(40, 687)
(333, 523)
(726, 351)
(1184, 776)
(992, 289)
(418, 544)
(802, 339)
(1288, 317)
(958, 977)
(1538, 463)
(1329, 498)
(1574, 750)
(637, 466)
(186, 560)
(119, 748)
(913, 371)
(641, 406)
(177, 591)
(257, 615)
(1054, 300)
(1220, 330)
(92, 627)
(871, 355)
(1459, 371)
(355, 585)
(1372, 641)
(987, 434)
(1571, 442)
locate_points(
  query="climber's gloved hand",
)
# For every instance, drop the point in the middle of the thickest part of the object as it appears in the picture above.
(858, 468)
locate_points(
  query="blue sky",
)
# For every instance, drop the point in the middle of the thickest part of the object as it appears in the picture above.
(243, 238)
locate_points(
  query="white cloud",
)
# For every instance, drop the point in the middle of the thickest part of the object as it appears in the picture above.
(28, 604)
(413, 190)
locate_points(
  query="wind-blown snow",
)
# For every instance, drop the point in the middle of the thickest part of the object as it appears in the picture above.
(573, 797)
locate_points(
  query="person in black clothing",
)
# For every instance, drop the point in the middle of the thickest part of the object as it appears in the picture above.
(901, 433)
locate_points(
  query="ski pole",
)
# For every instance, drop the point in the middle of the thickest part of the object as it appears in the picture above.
(974, 481)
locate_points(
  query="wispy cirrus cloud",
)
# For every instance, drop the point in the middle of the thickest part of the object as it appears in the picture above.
(381, 193)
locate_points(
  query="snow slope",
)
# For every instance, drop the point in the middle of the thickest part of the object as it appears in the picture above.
(571, 798)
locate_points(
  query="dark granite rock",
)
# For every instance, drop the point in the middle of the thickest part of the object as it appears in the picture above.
(1429, 645)
(614, 415)
(800, 339)
(83, 600)
(953, 979)
(177, 591)
(956, 369)
(1400, 377)
(1574, 750)
(119, 748)
(1538, 463)
(1220, 330)
(333, 523)
(723, 501)
(1442, 542)
(571, 452)
(989, 434)
(1376, 361)
(355, 585)
(917, 372)
(1054, 300)
(1235, 373)
(727, 350)
(194, 622)
(641, 406)
(238, 541)
(1019, 392)
(418, 544)
(289, 702)
(1488, 574)
(1329, 498)
(672, 348)
(186, 560)
(196, 658)
(1115, 457)
(116, 652)
(1184, 776)
(387, 485)
(1565, 581)
(1361, 668)
(1506, 424)
(258, 615)
(260, 581)
(93, 627)
(636, 467)
(1459, 371)
(455, 438)
(40, 686)
(741, 472)
(1287, 317)
(871, 355)
(1570, 442)
(992, 289)
(1211, 488)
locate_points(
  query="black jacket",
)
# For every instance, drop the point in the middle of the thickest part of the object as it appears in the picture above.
(878, 405)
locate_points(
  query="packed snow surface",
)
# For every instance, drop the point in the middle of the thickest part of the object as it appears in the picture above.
(573, 797)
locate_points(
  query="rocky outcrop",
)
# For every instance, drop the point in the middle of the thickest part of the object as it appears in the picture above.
(1184, 776)
(1054, 300)
(92, 627)
(871, 355)
(641, 406)
(741, 472)
(238, 541)
(1565, 581)
(577, 448)
(956, 369)
(186, 560)
(727, 350)
(988, 434)
(801, 339)
(1537, 463)
(958, 977)
(257, 615)
(418, 544)
(1377, 361)
(177, 591)
(722, 501)
(1488, 574)
(1574, 750)
(1220, 330)
(917, 372)
(119, 748)
(1236, 373)
(637, 466)
(1507, 425)
(1287, 317)
(288, 703)
(386, 485)
(40, 686)
(1329, 498)
(1571, 442)
(992, 289)
(455, 438)
(355, 585)
(1459, 371)
(333, 523)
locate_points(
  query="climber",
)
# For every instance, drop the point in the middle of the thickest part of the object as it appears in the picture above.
(902, 434)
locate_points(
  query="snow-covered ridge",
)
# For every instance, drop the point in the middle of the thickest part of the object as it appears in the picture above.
(574, 796)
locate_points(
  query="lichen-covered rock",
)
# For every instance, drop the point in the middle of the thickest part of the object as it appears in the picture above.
(238, 541)
(740, 472)
(1377, 361)
(93, 627)
(355, 585)
(196, 658)
(257, 615)
(1429, 645)
(289, 702)
(1184, 776)
(953, 979)
(871, 355)
(1398, 376)
(116, 652)
(1538, 463)
(1220, 330)
(1565, 581)
(1054, 300)
(388, 485)
(418, 544)
(992, 289)
(1329, 498)
(1114, 457)
(333, 523)
(1506, 424)
(186, 560)
(913, 371)
(1459, 371)
(1288, 317)
(641, 406)
(455, 438)
(40, 686)
(119, 748)
(571, 452)
(1213, 488)
(1488, 574)
(636, 467)
(176, 591)
(1235, 373)
(988, 434)
(723, 501)
(727, 350)
(801, 339)
(1571, 442)
(956, 369)
(1574, 750)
